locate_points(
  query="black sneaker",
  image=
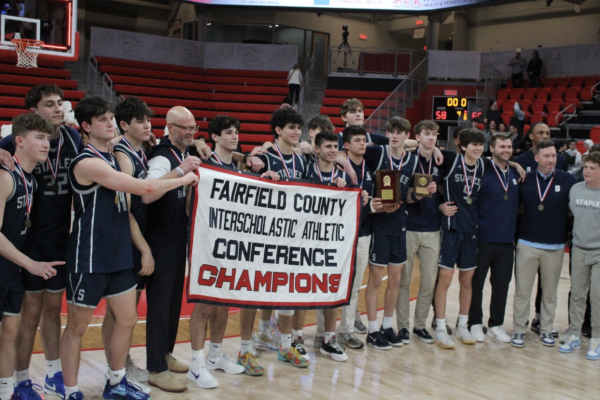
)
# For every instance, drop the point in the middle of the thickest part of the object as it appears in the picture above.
(404, 335)
(391, 337)
(333, 350)
(535, 326)
(378, 341)
(423, 335)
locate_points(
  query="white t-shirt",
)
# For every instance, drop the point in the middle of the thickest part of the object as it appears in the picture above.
(295, 77)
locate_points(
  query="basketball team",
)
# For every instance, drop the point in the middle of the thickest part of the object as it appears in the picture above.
(131, 205)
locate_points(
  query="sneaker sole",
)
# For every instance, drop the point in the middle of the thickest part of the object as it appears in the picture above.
(363, 332)
(379, 347)
(517, 345)
(428, 341)
(567, 351)
(592, 358)
(490, 334)
(549, 345)
(333, 357)
(444, 346)
(282, 359)
(53, 393)
(179, 371)
(167, 390)
(211, 369)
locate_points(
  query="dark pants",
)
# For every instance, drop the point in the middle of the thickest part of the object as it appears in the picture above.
(164, 292)
(499, 258)
(534, 81)
(294, 93)
(517, 80)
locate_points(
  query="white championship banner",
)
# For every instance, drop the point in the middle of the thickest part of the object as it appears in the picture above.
(259, 243)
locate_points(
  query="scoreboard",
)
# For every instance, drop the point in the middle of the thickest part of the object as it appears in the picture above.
(452, 109)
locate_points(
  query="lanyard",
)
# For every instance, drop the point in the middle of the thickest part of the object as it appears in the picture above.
(362, 178)
(504, 185)
(392, 162)
(54, 171)
(28, 200)
(287, 172)
(92, 148)
(217, 159)
(470, 187)
(421, 165)
(333, 173)
(176, 156)
(537, 178)
(143, 160)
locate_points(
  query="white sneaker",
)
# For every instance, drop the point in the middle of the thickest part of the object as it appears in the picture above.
(134, 371)
(202, 377)
(266, 339)
(477, 333)
(442, 338)
(498, 333)
(462, 332)
(564, 337)
(224, 364)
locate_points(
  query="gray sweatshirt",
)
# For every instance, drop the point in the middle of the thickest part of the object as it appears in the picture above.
(519, 64)
(585, 206)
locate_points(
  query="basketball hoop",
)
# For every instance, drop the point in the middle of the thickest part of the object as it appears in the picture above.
(27, 52)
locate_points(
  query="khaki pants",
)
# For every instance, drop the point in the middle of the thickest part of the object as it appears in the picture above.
(349, 311)
(426, 246)
(528, 261)
(585, 268)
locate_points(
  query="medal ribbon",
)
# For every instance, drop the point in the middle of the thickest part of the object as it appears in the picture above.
(421, 165)
(333, 173)
(28, 200)
(176, 156)
(92, 148)
(504, 186)
(469, 189)
(362, 178)
(217, 159)
(392, 162)
(143, 160)
(287, 172)
(53, 171)
(542, 198)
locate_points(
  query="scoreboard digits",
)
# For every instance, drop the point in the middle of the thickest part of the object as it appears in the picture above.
(452, 109)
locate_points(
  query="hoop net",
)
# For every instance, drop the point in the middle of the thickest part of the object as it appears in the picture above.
(27, 52)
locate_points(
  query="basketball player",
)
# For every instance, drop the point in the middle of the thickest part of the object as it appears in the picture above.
(47, 239)
(497, 206)
(583, 202)
(422, 239)
(30, 136)
(281, 159)
(133, 121)
(542, 236)
(352, 112)
(388, 244)
(99, 257)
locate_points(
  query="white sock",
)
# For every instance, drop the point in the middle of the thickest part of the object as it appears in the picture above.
(70, 389)
(441, 324)
(328, 336)
(462, 320)
(286, 341)
(116, 376)
(247, 347)
(215, 350)
(387, 322)
(197, 358)
(296, 334)
(537, 316)
(263, 325)
(53, 366)
(22, 375)
(7, 387)
(373, 326)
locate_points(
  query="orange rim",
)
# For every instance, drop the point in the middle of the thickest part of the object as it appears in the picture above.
(22, 44)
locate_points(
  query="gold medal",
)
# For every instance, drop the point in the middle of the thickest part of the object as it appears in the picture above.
(27, 223)
(422, 181)
(505, 196)
(55, 188)
(469, 200)
(541, 207)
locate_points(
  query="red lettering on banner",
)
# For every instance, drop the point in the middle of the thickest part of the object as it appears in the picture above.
(279, 279)
(334, 282)
(211, 270)
(292, 281)
(262, 280)
(322, 285)
(224, 278)
(303, 288)
(244, 282)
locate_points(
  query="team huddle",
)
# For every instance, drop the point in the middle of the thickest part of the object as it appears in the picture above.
(130, 230)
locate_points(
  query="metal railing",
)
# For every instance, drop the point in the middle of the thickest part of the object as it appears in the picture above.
(93, 70)
(307, 82)
(400, 99)
(107, 84)
(346, 60)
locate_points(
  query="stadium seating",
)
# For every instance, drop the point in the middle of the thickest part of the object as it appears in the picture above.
(595, 134)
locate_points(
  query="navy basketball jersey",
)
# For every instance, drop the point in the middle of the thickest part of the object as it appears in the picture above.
(100, 241)
(455, 189)
(378, 157)
(139, 160)
(291, 167)
(52, 209)
(14, 225)
(314, 173)
(214, 159)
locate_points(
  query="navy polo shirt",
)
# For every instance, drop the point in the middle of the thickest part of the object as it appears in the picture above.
(527, 161)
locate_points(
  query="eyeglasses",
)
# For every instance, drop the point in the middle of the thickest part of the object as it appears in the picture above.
(187, 129)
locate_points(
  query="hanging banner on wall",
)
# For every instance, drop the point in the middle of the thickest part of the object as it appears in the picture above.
(259, 243)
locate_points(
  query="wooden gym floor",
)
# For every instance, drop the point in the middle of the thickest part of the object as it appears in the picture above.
(489, 370)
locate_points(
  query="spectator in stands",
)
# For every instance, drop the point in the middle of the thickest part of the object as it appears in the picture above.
(28, 28)
(490, 130)
(518, 140)
(588, 145)
(517, 64)
(518, 119)
(46, 28)
(502, 127)
(534, 69)
(295, 82)
(576, 166)
(492, 114)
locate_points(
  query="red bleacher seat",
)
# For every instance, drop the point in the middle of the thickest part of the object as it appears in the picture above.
(554, 118)
(586, 93)
(591, 80)
(246, 73)
(554, 105)
(595, 134)
(506, 116)
(563, 81)
(570, 106)
(31, 81)
(557, 93)
(572, 93)
(577, 81)
(508, 106)
(148, 65)
(549, 82)
(581, 147)
(526, 128)
(338, 101)
(538, 106)
(525, 104)
(543, 93)
(40, 72)
(22, 91)
(348, 94)
(503, 94)
(529, 93)
(537, 117)
(148, 73)
(516, 94)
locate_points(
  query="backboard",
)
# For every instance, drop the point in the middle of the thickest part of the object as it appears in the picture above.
(52, 21)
